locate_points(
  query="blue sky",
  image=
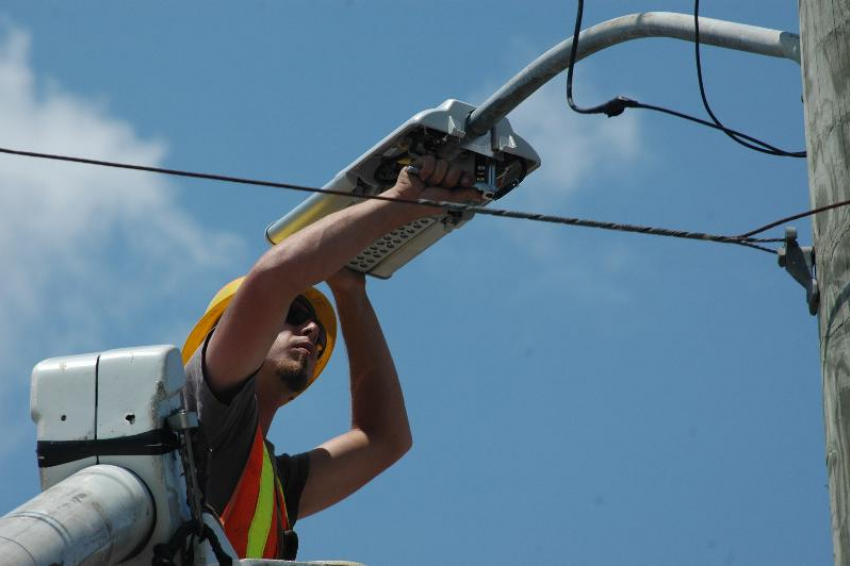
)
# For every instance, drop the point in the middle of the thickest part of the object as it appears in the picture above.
(577, 397)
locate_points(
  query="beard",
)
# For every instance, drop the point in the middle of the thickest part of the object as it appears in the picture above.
(293, 373)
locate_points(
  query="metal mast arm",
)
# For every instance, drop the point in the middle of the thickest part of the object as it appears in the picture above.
(719, 33)
(100, 515)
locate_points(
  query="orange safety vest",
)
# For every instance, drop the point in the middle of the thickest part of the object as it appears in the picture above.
(255, 518)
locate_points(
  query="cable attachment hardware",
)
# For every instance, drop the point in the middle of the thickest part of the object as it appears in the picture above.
(488, 188)
(184, 423)
(800, 263)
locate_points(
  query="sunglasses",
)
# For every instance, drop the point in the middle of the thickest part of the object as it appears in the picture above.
(302, 311)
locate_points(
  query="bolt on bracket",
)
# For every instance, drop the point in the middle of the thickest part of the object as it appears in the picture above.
(183, 423)
(799, 262)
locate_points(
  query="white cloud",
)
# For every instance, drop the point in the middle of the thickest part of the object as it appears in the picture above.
(86, 251)
(576, 152)
(573, 148)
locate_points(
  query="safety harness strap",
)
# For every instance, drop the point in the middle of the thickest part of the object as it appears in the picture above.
(153, 442)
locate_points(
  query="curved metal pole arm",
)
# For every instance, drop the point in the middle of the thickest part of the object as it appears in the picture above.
(719, 33)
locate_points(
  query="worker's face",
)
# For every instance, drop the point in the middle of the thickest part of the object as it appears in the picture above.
(293, 354)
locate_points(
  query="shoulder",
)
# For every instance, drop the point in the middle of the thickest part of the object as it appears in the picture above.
(292, 465)
(294, 470)
(219, 416)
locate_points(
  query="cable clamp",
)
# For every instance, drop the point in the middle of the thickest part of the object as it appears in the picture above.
(617, 106)
(799, 262)
(184, 423)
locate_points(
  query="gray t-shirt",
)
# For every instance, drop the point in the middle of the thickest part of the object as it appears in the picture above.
(227, 432)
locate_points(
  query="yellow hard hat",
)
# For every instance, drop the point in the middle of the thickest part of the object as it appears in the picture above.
(320, 303)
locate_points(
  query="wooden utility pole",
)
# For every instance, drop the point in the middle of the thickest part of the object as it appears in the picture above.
(825, 46)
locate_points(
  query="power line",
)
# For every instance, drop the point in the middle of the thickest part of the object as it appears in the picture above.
(756, 145)
(793, 217)
(747, 239)
(618, 105)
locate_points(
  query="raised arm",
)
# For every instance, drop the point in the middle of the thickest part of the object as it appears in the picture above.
(380, 433)
(253, 319)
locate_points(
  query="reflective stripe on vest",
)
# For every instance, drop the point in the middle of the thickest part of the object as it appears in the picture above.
(252, 516)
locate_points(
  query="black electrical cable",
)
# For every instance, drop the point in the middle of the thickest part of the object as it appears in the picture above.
(613, 107)
(793, 217)
(756, 145)
(618, 105)
(746, 240)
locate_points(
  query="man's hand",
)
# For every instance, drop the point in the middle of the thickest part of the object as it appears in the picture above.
(437, 181)
(252, 322)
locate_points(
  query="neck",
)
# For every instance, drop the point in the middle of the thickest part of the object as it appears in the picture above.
(267, 414)
(268, 401)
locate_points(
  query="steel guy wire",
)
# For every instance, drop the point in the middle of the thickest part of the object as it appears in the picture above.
(747, 239)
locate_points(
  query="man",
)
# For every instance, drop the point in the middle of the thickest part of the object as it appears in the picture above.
(272, 335)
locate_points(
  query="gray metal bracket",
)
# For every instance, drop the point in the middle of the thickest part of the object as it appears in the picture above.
(800, 263)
